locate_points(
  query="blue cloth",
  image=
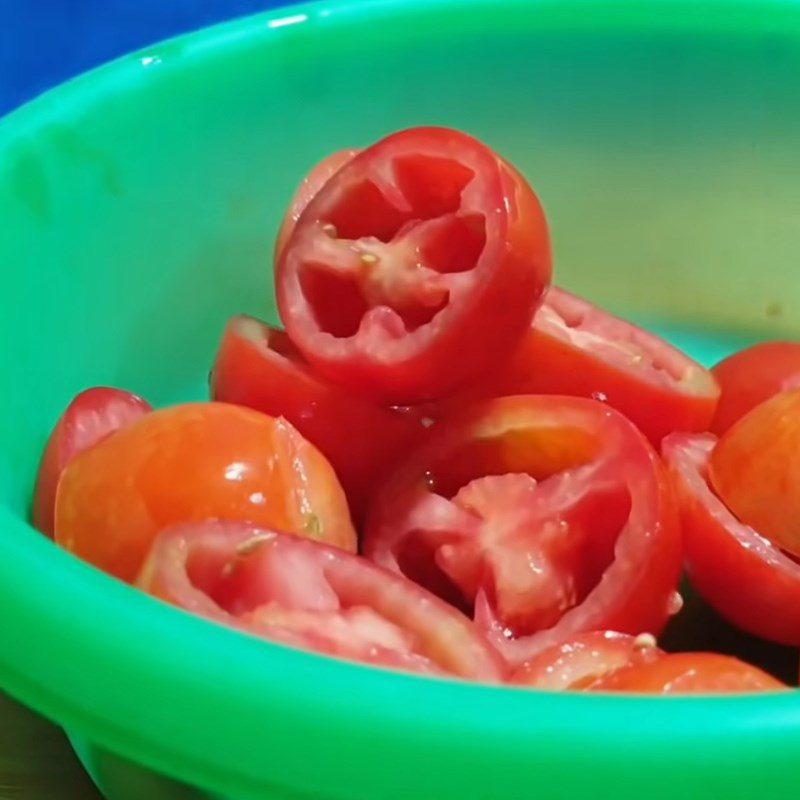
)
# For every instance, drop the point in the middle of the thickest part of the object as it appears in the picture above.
(44, 42)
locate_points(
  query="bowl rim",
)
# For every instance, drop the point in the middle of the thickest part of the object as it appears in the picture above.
(410, 719)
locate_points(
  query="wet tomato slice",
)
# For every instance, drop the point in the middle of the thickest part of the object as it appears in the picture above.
(755, 470)
(94, 414)
(575, 348)
(584, 659)
(190, 463)
(544, 516)
(419, 261)
(257, 366)
(688, 673)
(753, 375)
(745, 577)
(302, 593)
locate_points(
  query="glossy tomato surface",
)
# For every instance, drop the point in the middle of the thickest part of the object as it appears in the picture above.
(688, 673)
(423, 257)
(584, 659)
(301, 593)
(753, 375)
(575, 348)
(92, 415)
(257, 366)
(190, 463)
(755, 470)
(743, 575)
(545, 517)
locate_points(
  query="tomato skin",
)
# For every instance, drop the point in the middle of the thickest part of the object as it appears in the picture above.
(583, 660)
(542, 436)
(308, 188)
(486, 308)
(751, 376)
(688, 673)
(190, 463)
(91, 416)
(755, 470)
(257, 367)
(746, 578)
(304, 594)
(575, 348)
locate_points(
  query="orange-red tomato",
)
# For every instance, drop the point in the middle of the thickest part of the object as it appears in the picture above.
(584, 659)
(688, 673)
(755, 470)
(190, 463)
(752, 376)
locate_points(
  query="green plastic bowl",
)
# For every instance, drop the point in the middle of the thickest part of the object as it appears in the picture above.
(139, 205)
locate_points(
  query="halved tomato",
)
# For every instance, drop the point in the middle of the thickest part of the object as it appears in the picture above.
(575, 348)
(305, 594)
(310, 185)
(545, 517)
(744, 576)
(190, 463)
(688, 673)
(584, 659)
(753, 375)
(755, 470)
(257, 366)
(423, 257)
(89, 418)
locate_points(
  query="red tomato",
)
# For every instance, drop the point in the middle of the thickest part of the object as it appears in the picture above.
(191, 463)
(424, 257)
(257, 366)
(755, 470)
(89, 418)
(577, 349)
(751, 376)
(688, 673)
(584, 659)
(746, 578)
(545, 516)
(311, 184)
(308, 595)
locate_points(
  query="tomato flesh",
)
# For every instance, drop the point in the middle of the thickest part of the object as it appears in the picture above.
(258, 367)
(755, 470)
(584, 659)
(91, 416)
(688, 673)
(543, 516)
(745, 577)
(190, 463)
(751, 376)
(420, 249)
(301, 593)
(575, 348)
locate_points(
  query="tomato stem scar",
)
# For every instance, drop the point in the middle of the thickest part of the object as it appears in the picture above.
(329, 229)
(643, 641)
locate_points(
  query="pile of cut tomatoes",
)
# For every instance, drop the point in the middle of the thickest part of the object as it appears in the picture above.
(443, 464)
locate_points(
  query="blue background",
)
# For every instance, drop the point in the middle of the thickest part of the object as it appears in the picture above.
(43, 42)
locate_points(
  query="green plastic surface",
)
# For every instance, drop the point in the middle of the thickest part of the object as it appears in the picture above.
(138, 207)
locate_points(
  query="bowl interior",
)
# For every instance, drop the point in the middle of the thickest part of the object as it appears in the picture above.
(139, 207)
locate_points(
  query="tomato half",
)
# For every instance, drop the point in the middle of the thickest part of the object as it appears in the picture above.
(575, 348)
(688, 673)
(190, 463)
(544, 516)
(309, 187)
(423, 257)
(92, 415)
(755, 470)
(753, 375)
(257, 366)
(745, 577)
(584, 659)
(305, 594)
